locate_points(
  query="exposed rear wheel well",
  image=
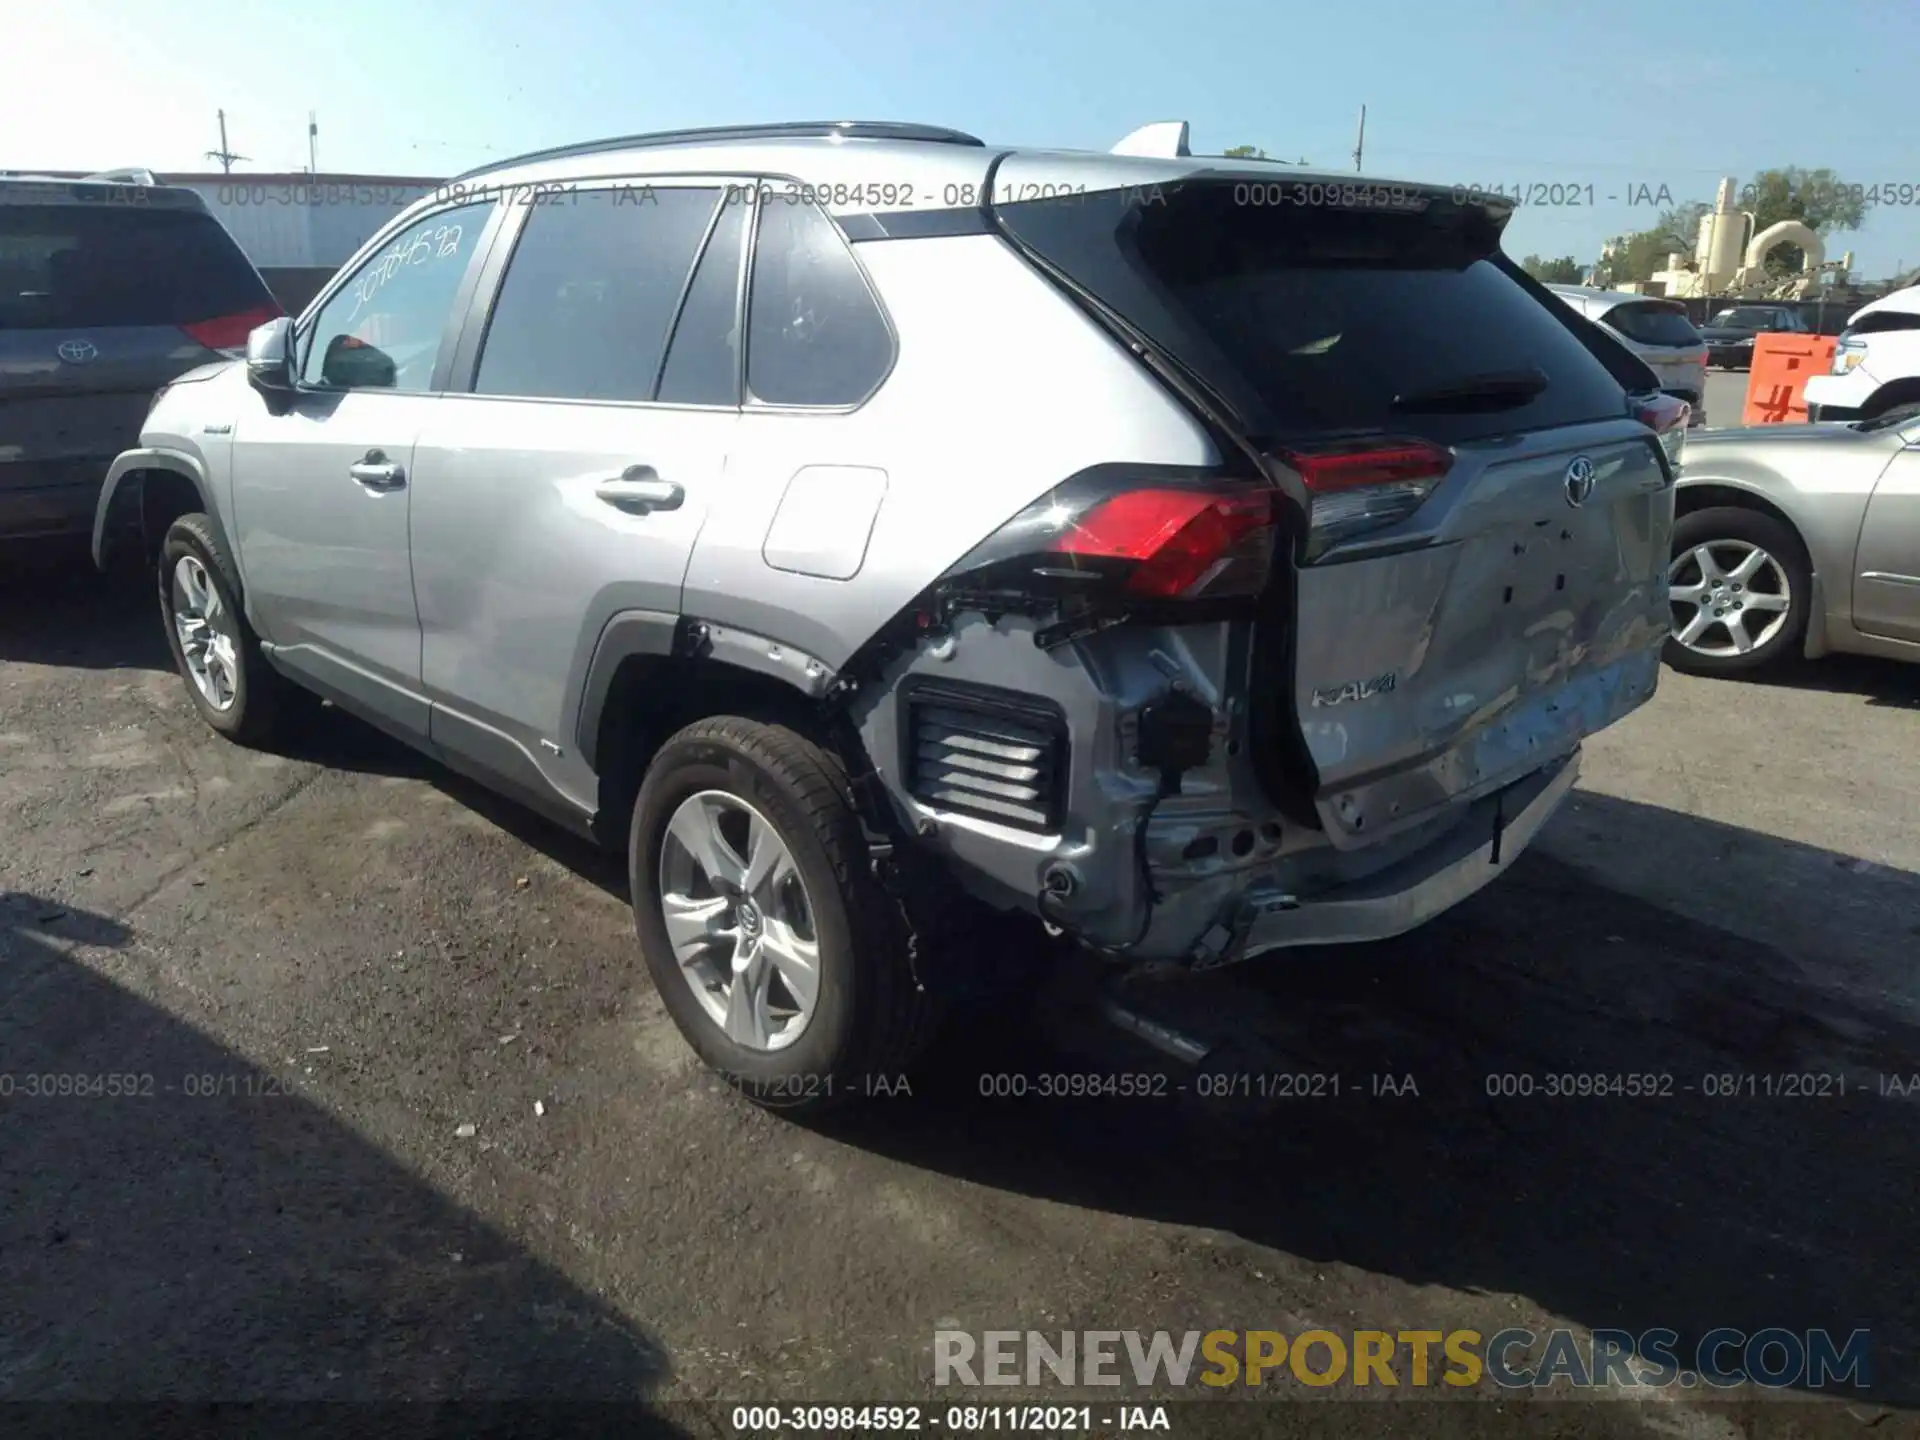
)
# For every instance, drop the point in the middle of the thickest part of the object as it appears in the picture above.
(1690, 498)
(652, 696)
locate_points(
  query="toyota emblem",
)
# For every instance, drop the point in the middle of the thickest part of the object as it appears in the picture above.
(77, 352)
(1579, 480)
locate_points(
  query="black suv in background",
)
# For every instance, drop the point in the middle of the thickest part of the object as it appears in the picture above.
(108, 290)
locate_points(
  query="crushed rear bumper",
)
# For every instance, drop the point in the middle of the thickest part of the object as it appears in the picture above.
(1434, 878)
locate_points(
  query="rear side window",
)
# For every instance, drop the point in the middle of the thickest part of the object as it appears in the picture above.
(703, 360)
(1313, 319)
(589, 295)
(68, 267)
(1653, 324)
(815, 334)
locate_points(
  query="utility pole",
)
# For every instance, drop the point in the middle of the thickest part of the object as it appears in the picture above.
(313, 144)
(1359, 143)
(225, 156)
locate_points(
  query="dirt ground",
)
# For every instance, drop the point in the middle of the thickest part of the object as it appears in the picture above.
(378, 972)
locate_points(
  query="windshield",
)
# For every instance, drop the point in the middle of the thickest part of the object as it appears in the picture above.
(1747, 319)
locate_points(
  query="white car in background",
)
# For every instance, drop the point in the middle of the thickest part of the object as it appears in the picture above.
(1876, 362)
(1656, 330)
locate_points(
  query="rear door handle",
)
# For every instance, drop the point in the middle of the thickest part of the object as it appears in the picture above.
(640, 489)
(376, 472)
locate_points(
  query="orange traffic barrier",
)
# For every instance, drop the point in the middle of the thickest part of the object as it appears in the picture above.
(1777, 383)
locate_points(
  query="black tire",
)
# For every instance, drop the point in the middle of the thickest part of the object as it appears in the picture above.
(871, 1019)
(262, 696)
(1750, 527)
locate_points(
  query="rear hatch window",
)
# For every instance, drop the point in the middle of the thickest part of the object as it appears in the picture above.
(1651, 324)
(1317, 318)
(71, 267)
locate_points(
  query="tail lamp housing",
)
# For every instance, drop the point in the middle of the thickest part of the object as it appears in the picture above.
(228, 333)
(1120, 538)
(1363, 485)
(1667, 416)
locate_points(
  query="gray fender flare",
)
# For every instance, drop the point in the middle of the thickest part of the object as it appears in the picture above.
(131, 462)
(651, 632)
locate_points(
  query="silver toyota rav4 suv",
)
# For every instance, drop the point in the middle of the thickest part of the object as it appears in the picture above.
(855, 520)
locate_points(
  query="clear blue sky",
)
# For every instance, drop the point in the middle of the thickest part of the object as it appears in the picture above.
(1615, 95)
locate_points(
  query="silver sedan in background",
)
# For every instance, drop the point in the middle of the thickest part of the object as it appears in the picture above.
(1797, 539)
(1656, 330)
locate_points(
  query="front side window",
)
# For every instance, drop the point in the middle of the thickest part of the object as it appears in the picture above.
(382, 329)
(815, 335)
(591, 293)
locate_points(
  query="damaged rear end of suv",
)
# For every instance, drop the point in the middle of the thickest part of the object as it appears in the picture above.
(1331, 679)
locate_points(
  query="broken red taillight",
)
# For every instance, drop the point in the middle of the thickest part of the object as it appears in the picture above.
(1116, 536)
(1667, 416)
(229, 332)
(1364, 485)
(1182, 542)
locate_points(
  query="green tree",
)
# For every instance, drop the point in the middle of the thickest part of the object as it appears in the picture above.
(1637, 256)
(1818, 199)
(1682, 224)
(1564, 271)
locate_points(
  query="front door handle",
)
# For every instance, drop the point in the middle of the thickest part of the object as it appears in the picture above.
(640, 489)
(376, 472)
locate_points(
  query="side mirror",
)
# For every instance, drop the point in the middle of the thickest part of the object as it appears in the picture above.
(351, 364)
(270, 356)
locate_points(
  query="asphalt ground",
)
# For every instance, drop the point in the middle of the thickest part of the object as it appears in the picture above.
(409, 1122)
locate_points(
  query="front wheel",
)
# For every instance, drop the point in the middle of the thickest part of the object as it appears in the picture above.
(774, 948)
(1740, 590)
(228, 679)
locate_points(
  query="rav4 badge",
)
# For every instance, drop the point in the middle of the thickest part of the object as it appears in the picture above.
(1354, 690)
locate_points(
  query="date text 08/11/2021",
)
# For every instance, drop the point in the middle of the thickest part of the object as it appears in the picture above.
(956, 1419)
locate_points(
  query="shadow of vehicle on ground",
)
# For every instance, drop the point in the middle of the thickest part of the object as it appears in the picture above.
(176, 1223)
(56, 609)
(1733, 1197)
(1883, 683)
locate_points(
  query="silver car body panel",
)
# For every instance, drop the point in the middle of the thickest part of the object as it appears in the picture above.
(971, 320)
(1853, 497)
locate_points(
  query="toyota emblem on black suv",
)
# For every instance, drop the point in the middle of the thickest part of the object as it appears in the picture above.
(1579, 480)
(77, 352)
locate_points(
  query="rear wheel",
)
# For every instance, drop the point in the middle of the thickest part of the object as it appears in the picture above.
(1740, 590)
(771, 943)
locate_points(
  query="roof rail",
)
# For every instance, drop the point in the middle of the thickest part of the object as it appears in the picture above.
(788, 130)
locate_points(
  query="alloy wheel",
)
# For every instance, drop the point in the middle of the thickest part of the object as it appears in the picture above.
(1729, 597)
(209, 638)
(740, 920)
